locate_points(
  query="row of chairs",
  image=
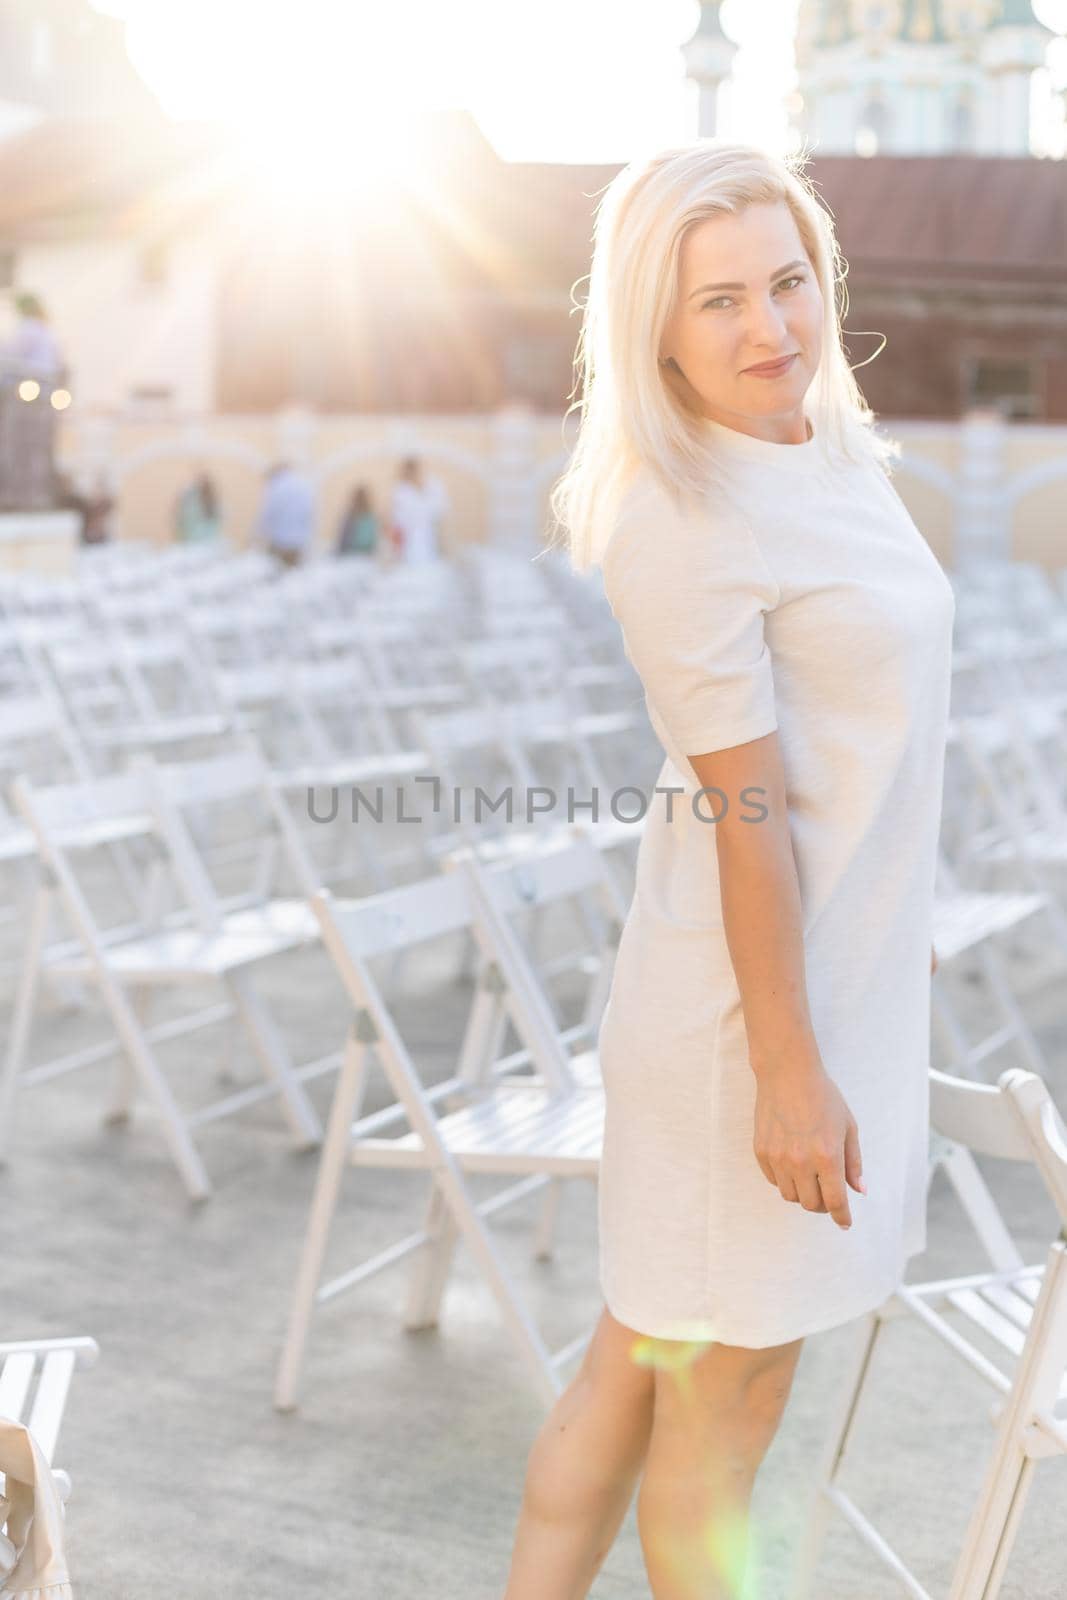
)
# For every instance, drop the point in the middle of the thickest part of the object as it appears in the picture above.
(512, 1136)
(524, 1133)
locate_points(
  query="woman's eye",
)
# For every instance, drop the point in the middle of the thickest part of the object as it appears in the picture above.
(794, 278)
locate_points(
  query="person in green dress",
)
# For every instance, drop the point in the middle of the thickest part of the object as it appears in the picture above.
(359, 530)
(197, 514)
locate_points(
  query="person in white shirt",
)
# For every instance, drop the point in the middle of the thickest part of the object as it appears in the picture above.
(415, 510)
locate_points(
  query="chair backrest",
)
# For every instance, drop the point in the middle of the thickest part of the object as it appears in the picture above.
(34, 1379)
(241, 781)
(37, 719)
(84, 814)
(547, 869)
(561, 867)
(1014, 1119)
(114, 815)
(461, 745)
(1006, 770)
(356, 932)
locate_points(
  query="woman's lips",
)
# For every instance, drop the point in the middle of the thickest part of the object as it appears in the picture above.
(775, 371)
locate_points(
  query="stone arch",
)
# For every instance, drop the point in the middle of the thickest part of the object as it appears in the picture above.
(190, 444)
(1020, 484)
(352, 454)
(471, 497)
(928, 472)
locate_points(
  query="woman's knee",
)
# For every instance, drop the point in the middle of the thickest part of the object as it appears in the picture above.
(727, 1393)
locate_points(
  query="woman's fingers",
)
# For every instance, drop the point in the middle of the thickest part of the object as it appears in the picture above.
(836, 1197)
(853, 1159)
(809, 1193)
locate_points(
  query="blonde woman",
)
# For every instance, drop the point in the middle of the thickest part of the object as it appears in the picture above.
(765, 1045)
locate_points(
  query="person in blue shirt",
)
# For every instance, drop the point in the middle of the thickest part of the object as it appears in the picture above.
(287, 514)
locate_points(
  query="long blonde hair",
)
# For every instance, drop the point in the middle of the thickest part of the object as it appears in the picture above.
(632, 412)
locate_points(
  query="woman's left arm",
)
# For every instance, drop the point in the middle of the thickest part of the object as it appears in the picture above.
(933, 959)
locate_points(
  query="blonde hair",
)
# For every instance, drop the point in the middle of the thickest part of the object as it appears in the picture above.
(632, 411)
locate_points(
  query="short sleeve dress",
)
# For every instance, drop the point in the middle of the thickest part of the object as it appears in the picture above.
(801, 598)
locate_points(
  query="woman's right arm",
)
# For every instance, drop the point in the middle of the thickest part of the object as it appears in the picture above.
(805, 1138)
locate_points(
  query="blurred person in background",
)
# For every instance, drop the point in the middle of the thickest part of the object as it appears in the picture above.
(99, 505)
(70, 496)
(416, 508)
(32, 347)
(197, 514)
(287, 514)
(360, 527)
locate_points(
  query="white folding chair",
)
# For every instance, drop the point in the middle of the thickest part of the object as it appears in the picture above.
(106, 687)
(1021, 1309)
(1014, 834)
(970, 925)
(35, 1377)
(513, 893)
(527, 1132)
(202, 938)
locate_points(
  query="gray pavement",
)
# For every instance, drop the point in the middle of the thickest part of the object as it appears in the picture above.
(401, 1475)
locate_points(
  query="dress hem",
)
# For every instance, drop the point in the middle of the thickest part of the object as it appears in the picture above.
(718, 1330)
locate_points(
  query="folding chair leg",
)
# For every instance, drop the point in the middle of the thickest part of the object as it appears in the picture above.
(994, 1525)
(993, 967)
(532, 1347)
(433, 1263)
(346, 1100)
(468, 961)
(23, 1014)
(546, 1225)
(175, 1129)
(271, 1050)
(946, 1020)
(482, 1035)
(125, 1086)
(997, 1514)
(802, 1585)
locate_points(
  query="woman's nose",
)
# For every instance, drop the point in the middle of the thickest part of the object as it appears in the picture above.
(766, 324)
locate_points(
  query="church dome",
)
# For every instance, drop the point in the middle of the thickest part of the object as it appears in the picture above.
(1017, 14)
(825, 23)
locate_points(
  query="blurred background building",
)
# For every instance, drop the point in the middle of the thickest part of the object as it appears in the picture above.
(185, 289)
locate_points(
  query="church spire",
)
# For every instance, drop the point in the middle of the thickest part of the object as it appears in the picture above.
(709, 59)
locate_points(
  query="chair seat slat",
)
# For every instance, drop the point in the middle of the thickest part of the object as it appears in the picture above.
(51, 1398)
(16, 1376)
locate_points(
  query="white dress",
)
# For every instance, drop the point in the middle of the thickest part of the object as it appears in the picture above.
(803, 600)
(416, 510)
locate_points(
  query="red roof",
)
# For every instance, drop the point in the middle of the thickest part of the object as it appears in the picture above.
(903, 218)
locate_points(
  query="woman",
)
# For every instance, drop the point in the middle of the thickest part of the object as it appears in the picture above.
(765, 1045)
(358, 534)
(197, 515)
(416, 507)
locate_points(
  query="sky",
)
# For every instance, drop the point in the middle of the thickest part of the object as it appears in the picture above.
(555, 80)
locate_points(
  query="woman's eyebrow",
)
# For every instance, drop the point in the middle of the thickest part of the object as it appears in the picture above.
(705, 287)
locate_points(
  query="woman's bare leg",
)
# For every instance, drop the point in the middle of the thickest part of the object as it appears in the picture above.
(716, 1410)
(582, 1469)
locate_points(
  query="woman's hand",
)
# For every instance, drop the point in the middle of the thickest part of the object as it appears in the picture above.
(933, 959)
(806, 1140)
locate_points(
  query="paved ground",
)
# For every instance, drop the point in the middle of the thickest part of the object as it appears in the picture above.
(401, 1475)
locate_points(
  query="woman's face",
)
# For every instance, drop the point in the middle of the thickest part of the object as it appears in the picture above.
(747, 295)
